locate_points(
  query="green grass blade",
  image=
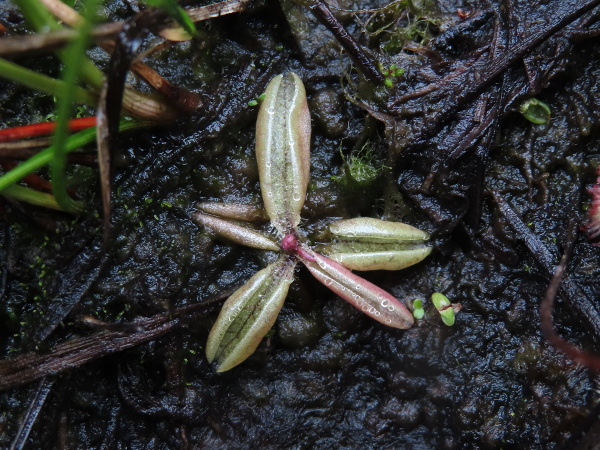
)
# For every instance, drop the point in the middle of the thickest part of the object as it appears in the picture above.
(36, 15)
(43, 83)
(39, 18)
(32, 197)
(45, 156)
(71, 57)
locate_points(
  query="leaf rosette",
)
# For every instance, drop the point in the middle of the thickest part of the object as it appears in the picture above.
(283, 155)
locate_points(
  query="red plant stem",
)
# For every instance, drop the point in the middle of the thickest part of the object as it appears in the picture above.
(582, 357)
(43, 128)
(592, 225)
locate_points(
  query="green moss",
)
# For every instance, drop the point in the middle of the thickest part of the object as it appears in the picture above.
(403, 22)
(360, 169)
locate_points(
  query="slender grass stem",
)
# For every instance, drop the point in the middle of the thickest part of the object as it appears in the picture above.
(45, 156)
(43, 83)
(40, 19)
(71, 71)
(37, 16)
(32, 197)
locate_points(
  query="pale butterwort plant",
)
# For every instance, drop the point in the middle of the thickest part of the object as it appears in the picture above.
(283, 155)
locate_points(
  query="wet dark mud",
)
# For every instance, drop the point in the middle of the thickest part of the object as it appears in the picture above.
(442, 146)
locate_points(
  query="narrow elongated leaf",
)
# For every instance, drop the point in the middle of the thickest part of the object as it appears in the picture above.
(30, 196)
(237, 233)
(234, 211)
(371, 244)
(43, 83)
(71, 73)
(249, 314)
(364, 295)
(369, 257)
(283, 150)
(45, 156)
(368, 229)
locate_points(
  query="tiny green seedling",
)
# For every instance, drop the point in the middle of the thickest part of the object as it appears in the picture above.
(446, 309)
(418, 311)
(535, 111)
(391, 74)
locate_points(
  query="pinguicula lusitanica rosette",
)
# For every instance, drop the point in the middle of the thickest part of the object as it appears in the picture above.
(283, 155)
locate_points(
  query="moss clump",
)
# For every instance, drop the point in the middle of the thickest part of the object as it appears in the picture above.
(360, 169)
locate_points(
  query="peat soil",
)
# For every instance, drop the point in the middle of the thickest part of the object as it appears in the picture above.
(102, 343)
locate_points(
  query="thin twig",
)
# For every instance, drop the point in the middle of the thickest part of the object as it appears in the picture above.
(217, 9)
(76, 352)
(23, 150)
(103, 150)
(35, 406)
(14, 150)
(574, 295)
(364, 62)
(22, 46)
(533, 243)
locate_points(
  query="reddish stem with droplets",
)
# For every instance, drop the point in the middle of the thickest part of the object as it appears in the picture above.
(289, 243)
